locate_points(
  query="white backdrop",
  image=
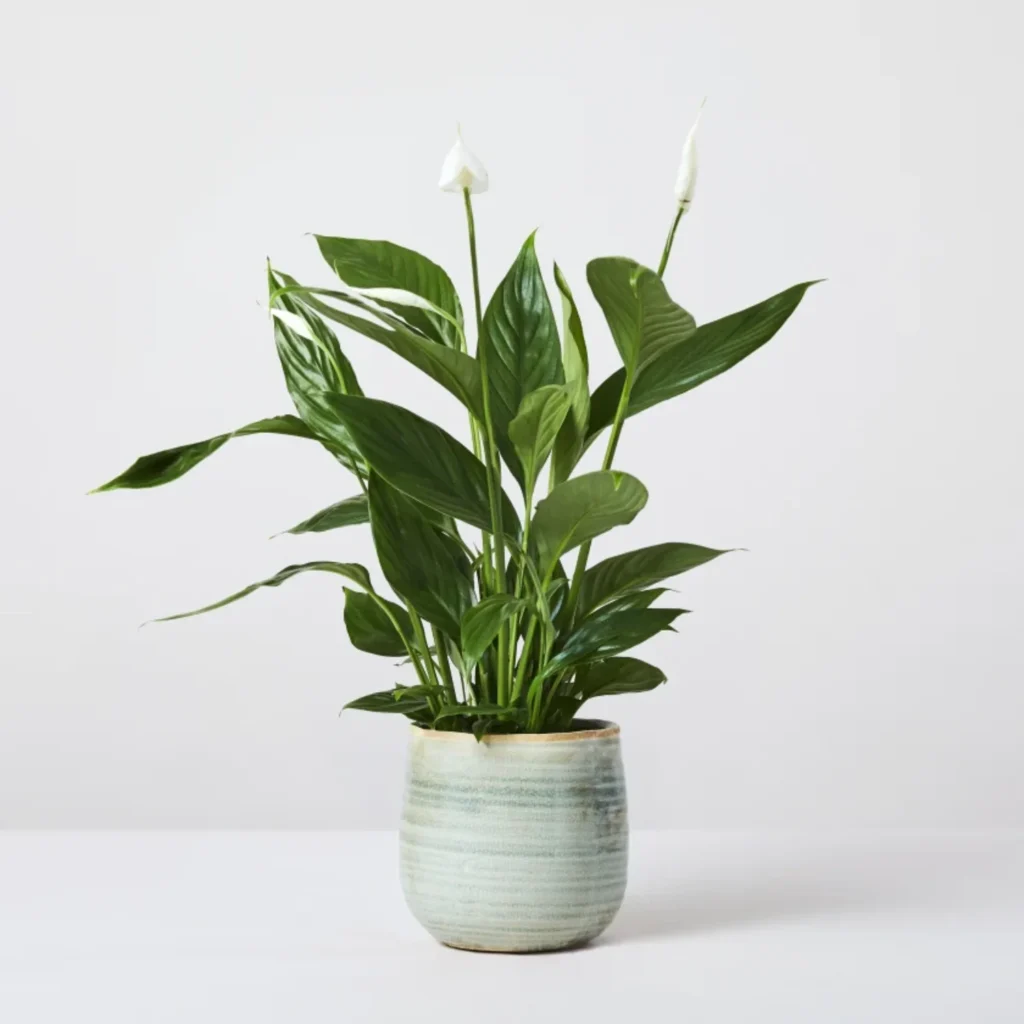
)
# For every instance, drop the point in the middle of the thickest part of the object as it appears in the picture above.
(860, 664)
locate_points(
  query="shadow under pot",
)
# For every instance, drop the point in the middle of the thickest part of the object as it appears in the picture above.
(516, 843)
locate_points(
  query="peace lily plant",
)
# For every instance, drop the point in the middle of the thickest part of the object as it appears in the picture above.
(502, 631)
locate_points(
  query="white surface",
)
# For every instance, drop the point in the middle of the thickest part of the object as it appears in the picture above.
(859, 665)
(310, 927)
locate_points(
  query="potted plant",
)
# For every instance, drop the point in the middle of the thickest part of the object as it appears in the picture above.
(514, 833)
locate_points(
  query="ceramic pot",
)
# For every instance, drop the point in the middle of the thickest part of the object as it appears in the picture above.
(517, 843)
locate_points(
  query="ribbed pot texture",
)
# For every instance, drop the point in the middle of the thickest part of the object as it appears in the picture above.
(516, 843)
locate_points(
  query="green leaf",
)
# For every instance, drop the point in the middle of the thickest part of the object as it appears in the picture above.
(569, 445)
(519, 341)
(601, 636)
(350, 512)
(643, 320)
(415, 559)
(172, 463)
(638, 599)
(366, 263)
(387, 702)
(482, 622)
(421, 460)
(368, 619)
(455, 371)
(622, 574)
(712, 349)
(535, 428)
(350, 570)
(614, 676)
(473, 711)
(583, 507)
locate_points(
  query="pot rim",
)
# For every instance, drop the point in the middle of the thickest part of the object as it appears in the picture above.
(598, 728)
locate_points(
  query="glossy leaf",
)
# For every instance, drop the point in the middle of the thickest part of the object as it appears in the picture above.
(634, 570)
(520, 344)
(601, 636)
(571, 439)
(481, 624)
(388, 702)
(415, 559)
(535, 427)
(637, 599)
(473, 711)
(370, 626)
(455, 371)
(349, 570)
(583, 507)
(643, 320)
(367, 263)
(712, 349)
(172, 463)
(350, 512)
(421, 460)
(615, 676)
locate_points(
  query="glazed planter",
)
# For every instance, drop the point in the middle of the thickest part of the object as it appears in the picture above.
(516, 843)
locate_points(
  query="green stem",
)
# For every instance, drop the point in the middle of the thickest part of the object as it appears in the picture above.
(421, 639)
(442, 660)
(493, 463)
(667, 251)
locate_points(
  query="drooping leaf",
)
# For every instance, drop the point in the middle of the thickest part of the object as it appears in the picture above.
(633, 570)
(163, 467)
(519, 341)
(482, 622)
(636, 599)
(367, 263)
(416, 561)
(575, 363)
(388, 702)
(349, 570)
(601, 636)
(370, 621)
(535, 427)
(712, 349)
(614, 676)
(350, 512)
(474, 711)
(421, 460)
(643, 320)
(583, 507)
(456, 371)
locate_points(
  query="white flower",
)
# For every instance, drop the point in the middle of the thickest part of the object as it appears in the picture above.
(686, 180)
(462, 170)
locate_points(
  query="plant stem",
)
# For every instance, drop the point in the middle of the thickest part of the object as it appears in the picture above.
(667, 251)
(442, 660)
(493, 463)
(421, 639)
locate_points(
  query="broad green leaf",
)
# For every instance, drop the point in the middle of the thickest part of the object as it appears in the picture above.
(712, 349)
(455, 371)
(569, 445)
(415, 559)
(614, 676)
(643, 320)
(163, 467)
(583, 507)
(622, 574)
(519, 342)
(366, 263)
(313, 363)
(349, 570)
(350, 512)
(421, 460)
(481, 624)
(535, 427)
(389, 702)
(368, 619)
(637, 599)
(601, 636)
(473, 711)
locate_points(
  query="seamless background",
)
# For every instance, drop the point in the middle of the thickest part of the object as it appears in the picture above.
(859, 665)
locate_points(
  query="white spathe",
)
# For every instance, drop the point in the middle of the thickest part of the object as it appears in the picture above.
(462, 169)
(686, 179)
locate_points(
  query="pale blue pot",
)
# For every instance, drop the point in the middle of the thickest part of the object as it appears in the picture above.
(517, 843)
